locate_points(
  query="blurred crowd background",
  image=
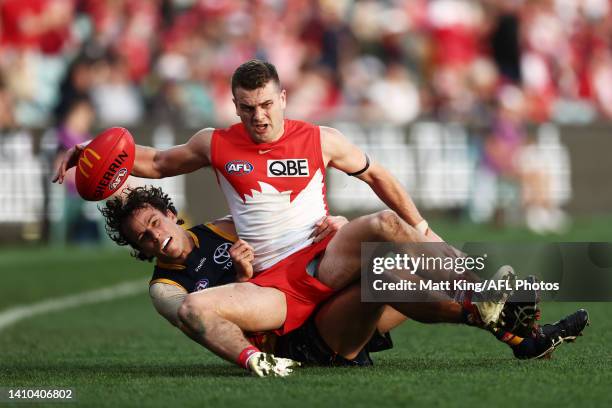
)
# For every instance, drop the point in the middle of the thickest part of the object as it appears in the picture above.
(496, 67)
(392, 60)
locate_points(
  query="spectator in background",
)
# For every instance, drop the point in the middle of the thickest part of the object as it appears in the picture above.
(15, 142)
(115, 96)
(505, 41)
(601, 79)
(76, 85)
(542, 212)
(19, 185)
(496, 190)
(7, 119)
(554, 50)
(395, 98)
(75, 127)
(42, 25)
(316, 96)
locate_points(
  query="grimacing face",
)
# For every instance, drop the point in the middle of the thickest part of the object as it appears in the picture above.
(157, 234)
(262, 111)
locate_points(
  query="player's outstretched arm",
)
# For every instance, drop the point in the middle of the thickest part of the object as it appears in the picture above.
(153, 163)
(340, 153)
(181, 159)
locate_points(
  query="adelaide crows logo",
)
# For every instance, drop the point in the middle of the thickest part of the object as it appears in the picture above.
(201, 285)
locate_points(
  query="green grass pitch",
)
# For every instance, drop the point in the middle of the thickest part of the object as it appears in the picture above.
(120, 353)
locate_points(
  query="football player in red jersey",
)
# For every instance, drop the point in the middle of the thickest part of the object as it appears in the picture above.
(271, 170)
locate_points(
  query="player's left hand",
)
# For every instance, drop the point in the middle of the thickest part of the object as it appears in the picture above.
(70, 159)
(328, 225)
(242, 255)
(268, 365)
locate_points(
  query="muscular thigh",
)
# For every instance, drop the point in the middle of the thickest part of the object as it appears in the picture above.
(251, 307)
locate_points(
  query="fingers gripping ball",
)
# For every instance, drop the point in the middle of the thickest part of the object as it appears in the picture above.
(105, 164)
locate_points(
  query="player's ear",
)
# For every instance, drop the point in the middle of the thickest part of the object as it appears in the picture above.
(283, 98)
(171, 215)
(236, 106)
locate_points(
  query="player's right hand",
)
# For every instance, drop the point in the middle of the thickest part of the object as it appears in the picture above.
(242, 255)
(70, 159)
(267, 365)
(328, 225)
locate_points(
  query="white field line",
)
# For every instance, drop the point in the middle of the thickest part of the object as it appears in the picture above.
(125, 289)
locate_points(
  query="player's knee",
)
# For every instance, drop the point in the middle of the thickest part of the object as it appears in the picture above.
(192, 312)
(186, 312)
(386, 224)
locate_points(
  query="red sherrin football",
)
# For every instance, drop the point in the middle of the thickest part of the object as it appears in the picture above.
(105, 164)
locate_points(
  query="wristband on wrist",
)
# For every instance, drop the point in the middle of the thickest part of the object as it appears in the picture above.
(243, 358)
(422, 227)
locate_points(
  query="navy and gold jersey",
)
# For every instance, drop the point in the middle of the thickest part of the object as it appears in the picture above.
(208, 265)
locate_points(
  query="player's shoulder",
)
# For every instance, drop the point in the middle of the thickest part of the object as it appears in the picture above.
(203, 134)
(228, 130)
(295, 124)
(332, 139)
(328, 131)
(212, 231)
(201, 140)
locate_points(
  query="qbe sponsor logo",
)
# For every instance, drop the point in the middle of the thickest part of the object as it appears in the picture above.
(238, 167)
(288, 168)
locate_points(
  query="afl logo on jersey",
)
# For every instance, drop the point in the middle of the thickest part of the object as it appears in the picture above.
(201, 285)
(238, 167)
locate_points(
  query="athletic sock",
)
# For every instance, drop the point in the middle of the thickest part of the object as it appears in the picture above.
(471, 317)
(510, 339)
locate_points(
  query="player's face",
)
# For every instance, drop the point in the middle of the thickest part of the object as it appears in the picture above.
(262, 111)
(157, 234)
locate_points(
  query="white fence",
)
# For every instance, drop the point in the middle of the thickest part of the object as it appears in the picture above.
(438, 164)
(441, 167)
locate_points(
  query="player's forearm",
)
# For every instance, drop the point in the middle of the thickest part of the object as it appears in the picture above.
(391, 192)
(146, 164)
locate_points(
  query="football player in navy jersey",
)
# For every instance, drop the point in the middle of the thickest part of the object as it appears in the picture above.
(201, 258)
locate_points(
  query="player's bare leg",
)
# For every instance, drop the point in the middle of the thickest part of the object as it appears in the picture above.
(348, 336)
(217, 317)
(341, 263)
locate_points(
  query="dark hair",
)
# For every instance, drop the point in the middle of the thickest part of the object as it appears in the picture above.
(117, 210)
(254, 74)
